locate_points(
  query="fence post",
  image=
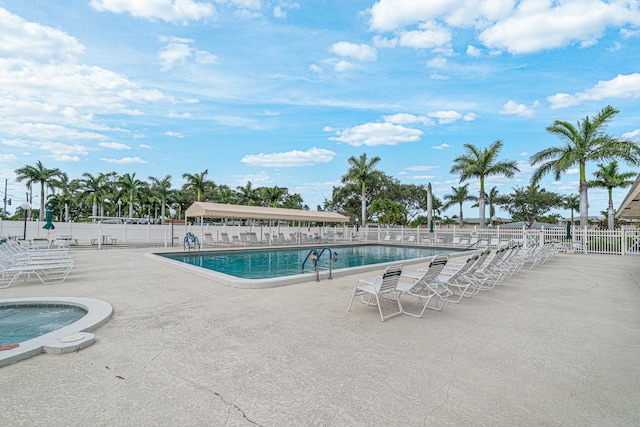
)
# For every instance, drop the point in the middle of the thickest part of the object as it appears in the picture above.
(623, 241)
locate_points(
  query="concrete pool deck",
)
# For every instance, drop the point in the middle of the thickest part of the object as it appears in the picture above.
(558, 345)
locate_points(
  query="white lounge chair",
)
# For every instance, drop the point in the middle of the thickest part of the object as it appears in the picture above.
(460, 284)
(427, 286)
(380, 287)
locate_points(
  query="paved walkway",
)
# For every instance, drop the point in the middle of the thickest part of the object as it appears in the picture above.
(559, 345)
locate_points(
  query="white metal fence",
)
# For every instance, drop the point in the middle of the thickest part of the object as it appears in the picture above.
(624, 241)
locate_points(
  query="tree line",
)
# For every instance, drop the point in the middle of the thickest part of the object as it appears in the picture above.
(111, 194)
(394, 203)
(367, 194)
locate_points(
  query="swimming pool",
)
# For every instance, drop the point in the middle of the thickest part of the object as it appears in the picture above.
(62, 332)
(22, 322)
(270, 267)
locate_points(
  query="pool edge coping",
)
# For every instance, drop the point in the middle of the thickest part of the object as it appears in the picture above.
(241, 283)
(98, 313)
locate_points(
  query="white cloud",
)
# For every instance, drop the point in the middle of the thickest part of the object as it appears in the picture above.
(512, 107)
(124, 160)
(174, 115)
(445, 117)
(573, 171)
(438, 62)
(524, 166)
(114, 145)
(7, 157)
(523, 154)
(34, 42)
(429, 36)
(178, 51)
(174, 11)
(343, 65)
(145, 146)
(15, 143)
(361, 52)
(540, 25)
(631, 135)
(421, 168)
(622, 86)
(441, 146)
(384, 42)
(204, 57)
(374, 134)
(423, 176)
(405, 119)
(292, 158)
(62, 152)
(49, 95)
(516, 26)
(469, 117)
(280, 11)
(474, 51)
(315, 69)
(174, 134)
(257, 180)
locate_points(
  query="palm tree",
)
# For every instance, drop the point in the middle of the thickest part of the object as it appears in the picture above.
(96, 188)
(197, 182)
(162, 189)
(225, 194)
(130, 186)
(67, 197)
(607, 176)
(583, 143)
(37, 173)
(492, 198)
(480, 163)
(362, 172)
(458, 195)
(273, 196)
(572, 202)
(247, 194)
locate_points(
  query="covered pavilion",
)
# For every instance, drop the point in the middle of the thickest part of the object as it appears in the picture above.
(630, 207)
(220, 210)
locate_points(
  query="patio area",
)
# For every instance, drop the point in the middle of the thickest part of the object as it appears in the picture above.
(558, 345)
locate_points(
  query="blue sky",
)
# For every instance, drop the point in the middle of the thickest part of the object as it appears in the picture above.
(284, 92)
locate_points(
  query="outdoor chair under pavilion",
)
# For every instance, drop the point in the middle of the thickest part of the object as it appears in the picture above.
(381, 288)
(427, 286)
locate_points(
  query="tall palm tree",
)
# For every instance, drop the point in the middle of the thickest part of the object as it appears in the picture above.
(362, 172)
(196, 182)
(40, 174)
(162, 189)
(458, 196)
(572, 202)
(130, 186)
(480, 163)
(608, 176)
(582, 143)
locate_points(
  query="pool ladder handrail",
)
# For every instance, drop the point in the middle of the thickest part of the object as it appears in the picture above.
(191, 238)
(317, 267)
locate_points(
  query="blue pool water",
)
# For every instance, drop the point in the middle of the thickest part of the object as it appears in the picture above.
(269, 263)
(20, 323)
